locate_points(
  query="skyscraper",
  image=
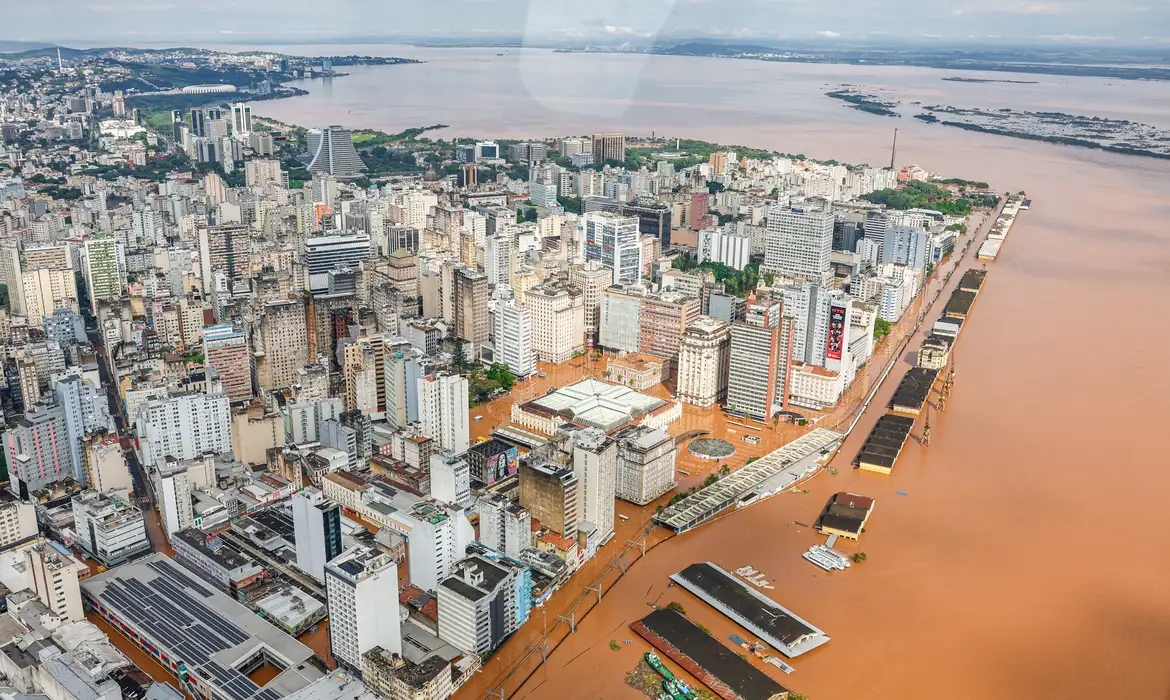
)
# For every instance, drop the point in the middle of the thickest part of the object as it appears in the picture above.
(755, 351)
(102, 273)
(558, 321)
(36, 449)
(317, 526)
(225, 249)
(443, 410)
(703, 356)
(361, 591)
(609, 147)
(241, 119)
(331, 151)
(595, 464)
(471, 297)
(513, 338)
(799, 243)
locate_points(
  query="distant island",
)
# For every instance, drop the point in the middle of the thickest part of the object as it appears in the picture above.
(865, 103)
(956, 79)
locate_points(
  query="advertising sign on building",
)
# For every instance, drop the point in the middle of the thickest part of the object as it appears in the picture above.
(836, 332)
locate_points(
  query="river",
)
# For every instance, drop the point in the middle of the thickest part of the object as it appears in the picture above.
(1025, 560)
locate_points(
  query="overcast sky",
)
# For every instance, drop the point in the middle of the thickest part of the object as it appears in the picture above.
(831, 21)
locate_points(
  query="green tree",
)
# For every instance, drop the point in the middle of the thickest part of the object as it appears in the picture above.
(881, 328)
(459, 356)
(713, 186)
(500, 374)
(677, 607)
(858, 557)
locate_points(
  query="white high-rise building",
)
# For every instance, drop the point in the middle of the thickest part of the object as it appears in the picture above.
(317, 527)
(703, 362)
(558, 321)
(595, 465)
(87, 411)
(729, 248)
(331, 151)
(361, 590)
(450, 479)
(906, 245)
(108, 529)
(645, 464)
(241, 120)
(184, 426)
(18, 523)
(55, 577)
(497, 256)
(439, 535)
(513, 338)
(615, 242)
(262, 171)
(504, 526)
(799, 243)
(443, 410)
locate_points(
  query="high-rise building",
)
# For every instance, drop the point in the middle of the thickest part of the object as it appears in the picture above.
(477, 606)
(280, 343)
(262, 171)
(703, 362)
(497, 257)
(36, 449)
(595, 464)
(609, 147)
(592, 279)
(906, 245)
(47, 289)
(227, 353)
(226, 249)
(663, 318)
(645, 464)
(361, 590)
(105, 464)
(504, 526)
(728, 248)
(198, 123)
(317, 527)
(799, 243)
(18, 523)
(487, 150)
(450, 479)
(513, 338)
(443, 410)
(549, 492)
(183, 426)
(108, 529)
(241, 119)
(470, 299)
(614, 241)
(558, 321)
(621, 328)
(439, 535)
(87, 411)
(324, 254)
(752, 364)
(362, 364)
(654, 218)
(331, 151)
(818, 335)
(103, 275)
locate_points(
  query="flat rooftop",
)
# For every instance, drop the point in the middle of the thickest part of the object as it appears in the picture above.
(722, 664)
(972, 280)
(779, 627)
(960, 303)
(884, 443)
(914, 390)
(190, 623)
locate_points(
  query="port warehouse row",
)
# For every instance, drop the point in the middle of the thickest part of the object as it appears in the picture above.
(885, 442)
(722, 670)
(773, 472)
(1003, 225)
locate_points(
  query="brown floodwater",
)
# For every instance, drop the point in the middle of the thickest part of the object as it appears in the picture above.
(1024, 561)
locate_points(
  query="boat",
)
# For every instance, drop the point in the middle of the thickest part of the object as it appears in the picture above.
(685, 690)
(657, 665)
(672, 690)
(664, 696)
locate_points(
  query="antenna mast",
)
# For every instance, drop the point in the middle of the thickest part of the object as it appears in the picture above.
(894, 151)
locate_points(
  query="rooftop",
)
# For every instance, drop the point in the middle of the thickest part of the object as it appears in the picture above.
(597, 404)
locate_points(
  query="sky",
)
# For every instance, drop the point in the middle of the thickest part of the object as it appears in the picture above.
(843, 22)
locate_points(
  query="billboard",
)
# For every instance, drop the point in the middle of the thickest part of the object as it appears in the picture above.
(501, 466)
(836, 333)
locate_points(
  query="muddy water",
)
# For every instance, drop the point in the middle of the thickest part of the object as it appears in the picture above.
(1025, 560)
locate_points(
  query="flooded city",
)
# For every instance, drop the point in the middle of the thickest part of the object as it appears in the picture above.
(1016, 564)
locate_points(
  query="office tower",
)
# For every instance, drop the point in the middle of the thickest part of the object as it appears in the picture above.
(592, 279)
(470, 299)
(108, 529)
(198, 123)
(18, 523)
(105, 464)
(609, 147)
(487, 150)
(620, 321)
(614, 241)
(102, 273)
(876, 225)
(703, 362)
(906, 245)
(572, 145)
(362, 366)
(331, 151)
(361, 591)
(280, 337)
(317, 529)
(654, 218)
(12, 275)
(477, 606)
(183, 426)
(262, 171)
(226, 352)
(699, 212)
(558, 321)
(47, 289)
(752, 364)
(595, 464)
(36, 449)
(224, 249)
(241, 119)
(819, 338)
(799, 243)
(55, 577)
(513, 338)
(443, 410)
(324, 254)
(450, 479)
(645, 464)
(663, 318)
(403, 368)
(86, 411)
(550, 494)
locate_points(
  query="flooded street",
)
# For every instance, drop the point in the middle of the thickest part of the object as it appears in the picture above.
(1020, 564)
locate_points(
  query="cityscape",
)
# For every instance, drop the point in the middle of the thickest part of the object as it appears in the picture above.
(315, 411)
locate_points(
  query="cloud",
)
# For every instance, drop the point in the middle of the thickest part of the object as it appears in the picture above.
(1076, 38)
(932, 36)
(829, 34)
